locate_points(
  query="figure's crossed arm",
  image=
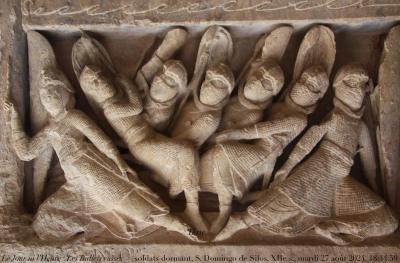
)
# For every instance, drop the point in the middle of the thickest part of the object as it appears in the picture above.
(306, 144)
(262, 129)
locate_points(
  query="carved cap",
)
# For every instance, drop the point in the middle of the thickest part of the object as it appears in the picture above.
(52, 76)
(176, 70)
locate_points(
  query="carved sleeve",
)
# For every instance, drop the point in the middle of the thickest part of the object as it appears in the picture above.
(25, 147)
(307, 143)
(367, 155)
(90, 129)
(268, 128)
(132, 93)
(200, 129)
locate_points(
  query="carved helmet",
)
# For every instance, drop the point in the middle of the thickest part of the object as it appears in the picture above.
(52, 77)
(176, 70)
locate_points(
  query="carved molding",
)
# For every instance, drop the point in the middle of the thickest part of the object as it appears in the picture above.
(123, 12)
(36, 8)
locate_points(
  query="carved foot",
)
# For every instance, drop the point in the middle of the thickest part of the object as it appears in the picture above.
(340, 234)
(234, 225)
(173, 223)
(193, 216)
(219, 223)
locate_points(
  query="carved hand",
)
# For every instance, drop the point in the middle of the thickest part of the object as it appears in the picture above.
(124, 167)
(228, 135)
(281, 175)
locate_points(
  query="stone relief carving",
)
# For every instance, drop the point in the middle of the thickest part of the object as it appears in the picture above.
(211, 86)
(99, 194)
(319, 194)
(168, 80)
(193, 136)
(231, 168)
(247, 107)
(34, 8)
(174, 163)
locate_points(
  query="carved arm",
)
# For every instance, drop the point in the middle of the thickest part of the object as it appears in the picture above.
(306, 144)
(102, 142)
(134, 106)
(25, 147)
(262, 129)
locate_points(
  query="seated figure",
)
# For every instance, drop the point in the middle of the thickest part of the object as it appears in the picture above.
(319, 194)
(230, 168)
(98, 197)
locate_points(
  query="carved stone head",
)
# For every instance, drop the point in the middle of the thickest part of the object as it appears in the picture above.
(95, 84)
(264, 83)
(311, 87)
(217, 85)
(350, 85)
(169, 82)
(56, 94)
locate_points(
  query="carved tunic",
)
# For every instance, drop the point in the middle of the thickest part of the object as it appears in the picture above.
(236, 166)
(158, 114)
(237, 115)
(321, 186)
(88, 172)
(326, 169)
(195, 124)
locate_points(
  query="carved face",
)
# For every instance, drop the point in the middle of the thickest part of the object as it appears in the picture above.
(263, 84)
(163, 88)
(217, 85)
(213, 91)
(55, 99)
(351, 91)
(94, 83)
(310, 88)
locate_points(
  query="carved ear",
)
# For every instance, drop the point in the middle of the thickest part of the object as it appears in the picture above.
(88, 51)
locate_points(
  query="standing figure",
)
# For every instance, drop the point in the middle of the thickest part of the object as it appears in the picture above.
(200, 117)
(231, 168)
(174, 163)
(161, 99)
(97, 197)
(319, 194)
